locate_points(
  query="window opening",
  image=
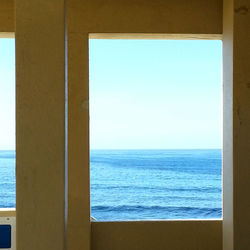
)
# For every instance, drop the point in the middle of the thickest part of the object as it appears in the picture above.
(155, 129)
(7, 123)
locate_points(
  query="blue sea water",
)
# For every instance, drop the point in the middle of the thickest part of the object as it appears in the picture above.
(155, 184)
(143, 184)
(7, 179)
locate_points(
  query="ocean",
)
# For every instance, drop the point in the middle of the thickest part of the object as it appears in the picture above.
(155, 184)
(7, 179)
(143, 184)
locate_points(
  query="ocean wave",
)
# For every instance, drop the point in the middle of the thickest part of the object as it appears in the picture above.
(166, 189)
(167, 209)
(8, 205)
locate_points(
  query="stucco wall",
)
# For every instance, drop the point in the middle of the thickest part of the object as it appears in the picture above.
(40, 52)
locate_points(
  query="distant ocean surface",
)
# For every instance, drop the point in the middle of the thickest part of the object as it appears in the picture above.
(156, 184)
(7, 179)
(143, 184)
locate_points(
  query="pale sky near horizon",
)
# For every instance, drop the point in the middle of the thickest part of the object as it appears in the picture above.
(147, 94)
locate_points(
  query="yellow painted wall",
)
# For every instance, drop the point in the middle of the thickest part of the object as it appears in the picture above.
(201, 19)
(40, 124)
(157, 235)
(145, 16)
(7, 16)
(40, 40)
(236, 40)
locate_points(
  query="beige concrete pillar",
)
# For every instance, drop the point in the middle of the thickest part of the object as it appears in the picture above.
(40, 124)
(236, 42)
(78, 143)
(7, 20)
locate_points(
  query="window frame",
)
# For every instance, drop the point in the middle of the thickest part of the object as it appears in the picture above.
(103, 22)
(183, 20)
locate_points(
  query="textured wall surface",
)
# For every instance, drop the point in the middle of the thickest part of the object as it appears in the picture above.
(40, 124)
(158, 16)
(172, 235)
(236, 40)
(133, 16)
(7, 16)
(40, 120)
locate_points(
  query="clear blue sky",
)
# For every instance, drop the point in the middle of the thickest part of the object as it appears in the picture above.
(143, 94)
(155, 94)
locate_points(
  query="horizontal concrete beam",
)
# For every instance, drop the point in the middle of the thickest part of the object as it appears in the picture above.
(7, 17)
(137, 16)
(157, 235)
